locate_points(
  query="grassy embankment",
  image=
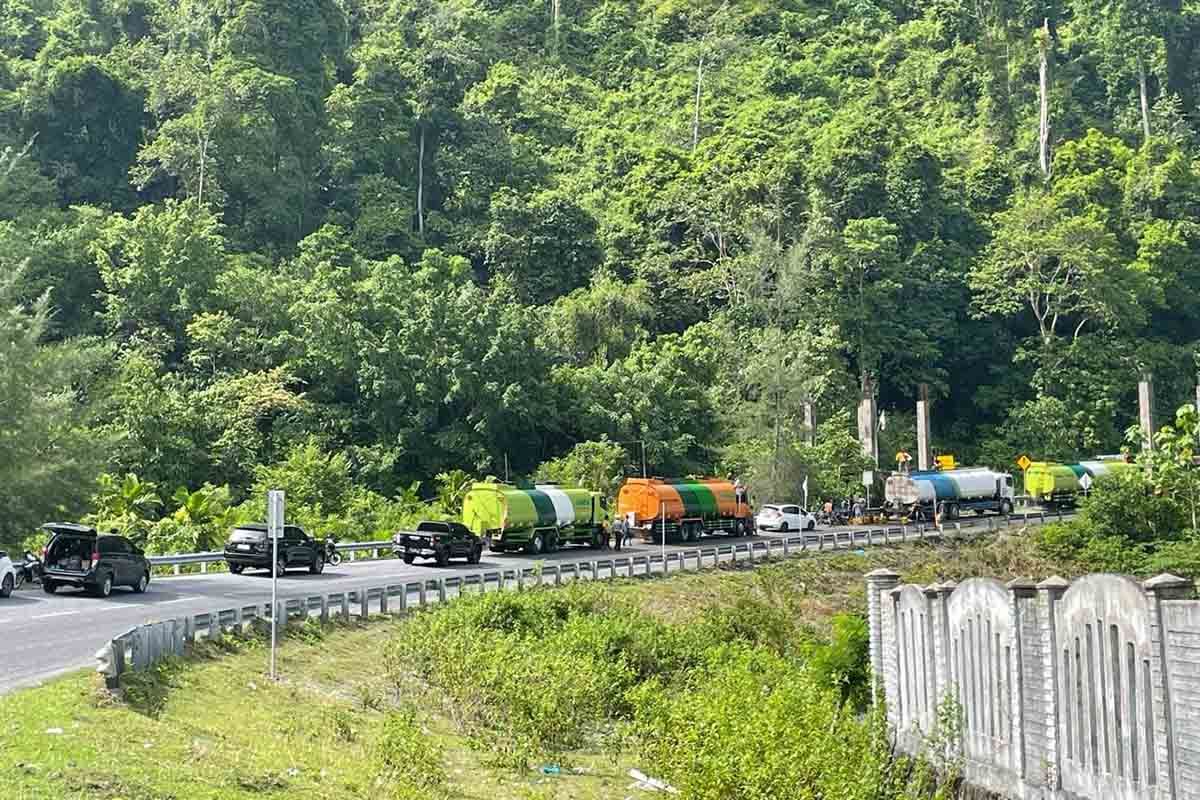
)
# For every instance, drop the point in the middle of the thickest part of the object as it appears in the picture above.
(618, 677)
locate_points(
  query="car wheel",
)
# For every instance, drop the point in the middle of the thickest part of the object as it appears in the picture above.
(236, 569)
(6, 588)
(783, 527)
(143, 582)
(281, 567)
(104, 588)
(812, 525)
(317, 566)
(49, 586)
(443, 558)
(408, 559)
(476, 554)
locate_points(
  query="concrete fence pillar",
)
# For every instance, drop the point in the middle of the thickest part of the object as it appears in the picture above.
(880, 584)
(1160, 590)
(1028, 660)
(1050, 592)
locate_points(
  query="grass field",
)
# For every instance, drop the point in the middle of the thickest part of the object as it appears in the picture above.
(214, 727)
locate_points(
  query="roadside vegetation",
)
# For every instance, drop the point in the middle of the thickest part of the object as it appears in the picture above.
(733, 683)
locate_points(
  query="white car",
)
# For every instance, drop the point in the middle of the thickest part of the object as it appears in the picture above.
(8, 575)
(785, 518)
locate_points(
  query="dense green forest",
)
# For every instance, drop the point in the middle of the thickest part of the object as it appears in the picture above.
(382, 240)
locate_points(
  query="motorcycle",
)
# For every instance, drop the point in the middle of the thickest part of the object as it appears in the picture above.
(332, 556)
(29, 569)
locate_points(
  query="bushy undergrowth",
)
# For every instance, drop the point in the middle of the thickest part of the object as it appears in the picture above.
(738, 703)
(1126, 526)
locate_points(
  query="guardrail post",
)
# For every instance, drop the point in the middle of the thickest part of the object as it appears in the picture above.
(375, 553)
(364, 611)
(786, 551)
(501, 582)
(557, 574)
(383, 601)
(631, 566)
(649, 567)
(595, 575)
(403, 598)
(203, 567)
(422, 598)
(520, 579)
(441, 587)
(733, 553)
(214, 626)
(279, 616)
(174, 569)
(345, 606)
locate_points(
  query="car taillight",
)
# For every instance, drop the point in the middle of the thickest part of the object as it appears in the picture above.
(95, 559)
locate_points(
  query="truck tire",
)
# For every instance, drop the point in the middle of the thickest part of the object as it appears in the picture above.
(1006, 507)
(317, 566)
(236, 569)
(408, 558)
(49, 586)
(476, 554)
(443, 558)
(536, 545)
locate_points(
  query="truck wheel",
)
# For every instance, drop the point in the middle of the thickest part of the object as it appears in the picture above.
(317, 566)
(408, 558)
(236, 569)
(552, 543)
(476, 554)
(1006, 507)
(49, 586)
(443, 558)
(954, 511)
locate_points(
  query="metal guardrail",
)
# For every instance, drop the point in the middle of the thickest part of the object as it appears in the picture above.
(352, 550)
(143, 646)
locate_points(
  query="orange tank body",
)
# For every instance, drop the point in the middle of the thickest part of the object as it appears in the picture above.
(725, 497)
(646, 497)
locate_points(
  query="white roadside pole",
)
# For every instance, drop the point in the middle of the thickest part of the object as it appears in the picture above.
(275, 531)
(867, 480)
(1085, 482)
(663, 507)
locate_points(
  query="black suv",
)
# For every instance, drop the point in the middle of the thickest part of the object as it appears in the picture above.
(440, 541)
(79, 556)
(249, 546)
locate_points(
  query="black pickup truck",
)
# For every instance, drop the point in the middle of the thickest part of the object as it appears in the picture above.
(440, 541)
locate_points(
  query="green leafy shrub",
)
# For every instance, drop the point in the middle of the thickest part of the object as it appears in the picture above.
(843, 663)
(754, 725)
(409, 758)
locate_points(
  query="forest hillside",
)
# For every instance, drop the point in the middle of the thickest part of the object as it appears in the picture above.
(409, 237)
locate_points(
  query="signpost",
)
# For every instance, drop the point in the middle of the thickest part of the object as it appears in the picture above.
(806, 493)
(275, 531)
(1085, 482)
(1024, 463)
(868, 480)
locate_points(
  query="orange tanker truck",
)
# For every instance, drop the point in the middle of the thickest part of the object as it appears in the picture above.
(684, 508)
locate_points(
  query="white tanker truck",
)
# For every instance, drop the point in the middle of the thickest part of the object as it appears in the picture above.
(949, 492)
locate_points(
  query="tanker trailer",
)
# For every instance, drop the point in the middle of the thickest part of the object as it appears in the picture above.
(950, 492)
(1054, 484)
(683, 509)
(535, 520)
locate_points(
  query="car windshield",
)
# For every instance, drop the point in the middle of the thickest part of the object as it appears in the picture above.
(433, 527)
(770, 509)
(247, 535)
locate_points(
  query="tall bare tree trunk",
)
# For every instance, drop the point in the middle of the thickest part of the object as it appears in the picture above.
(696, 110)
(555, 11)
(1145, 94)
(421, 182)
(1044, 99)
(203, 159)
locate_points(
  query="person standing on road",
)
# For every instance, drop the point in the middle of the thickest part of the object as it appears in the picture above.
(618, 533)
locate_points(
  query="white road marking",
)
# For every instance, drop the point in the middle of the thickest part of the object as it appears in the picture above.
(55, 614)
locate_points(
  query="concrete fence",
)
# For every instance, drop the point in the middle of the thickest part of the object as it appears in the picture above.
(1088, 689)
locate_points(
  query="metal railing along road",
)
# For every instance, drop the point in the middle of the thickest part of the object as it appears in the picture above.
(356, 551)
(143, 646)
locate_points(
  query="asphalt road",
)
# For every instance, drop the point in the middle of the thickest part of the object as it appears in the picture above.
(45, 635)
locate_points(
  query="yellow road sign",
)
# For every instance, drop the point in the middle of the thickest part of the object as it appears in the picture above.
(1023, 462)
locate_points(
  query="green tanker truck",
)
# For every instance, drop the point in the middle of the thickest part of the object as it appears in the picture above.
(536, 520)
